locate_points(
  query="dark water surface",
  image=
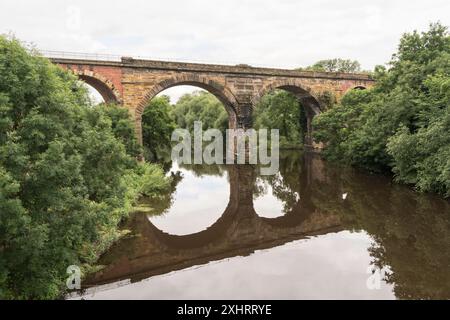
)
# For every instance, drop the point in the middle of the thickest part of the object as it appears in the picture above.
(225, 232)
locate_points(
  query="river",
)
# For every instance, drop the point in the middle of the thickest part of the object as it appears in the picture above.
(315, 230)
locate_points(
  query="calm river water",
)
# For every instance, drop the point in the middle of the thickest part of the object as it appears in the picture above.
(314, 230)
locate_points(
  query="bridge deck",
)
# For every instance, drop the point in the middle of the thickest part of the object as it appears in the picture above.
(212, 68)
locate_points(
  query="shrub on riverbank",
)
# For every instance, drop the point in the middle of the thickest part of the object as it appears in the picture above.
(65, 169)
(402, 123)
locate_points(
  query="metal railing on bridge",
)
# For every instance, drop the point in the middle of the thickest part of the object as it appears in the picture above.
(80, 55)
(118, 58)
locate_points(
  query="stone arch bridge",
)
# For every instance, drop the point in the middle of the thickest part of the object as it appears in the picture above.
(134, 82)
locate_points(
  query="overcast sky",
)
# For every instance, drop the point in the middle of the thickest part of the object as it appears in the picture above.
(282, 33)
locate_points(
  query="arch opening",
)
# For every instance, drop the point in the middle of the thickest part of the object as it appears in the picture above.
(101, 87)
(301, 115)
(219, 91)
(181, 102)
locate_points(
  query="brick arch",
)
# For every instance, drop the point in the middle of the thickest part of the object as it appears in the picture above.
(221, 92)
(103, 85)
(304, 93)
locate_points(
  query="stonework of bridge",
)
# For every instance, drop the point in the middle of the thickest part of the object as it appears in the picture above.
(134, 82)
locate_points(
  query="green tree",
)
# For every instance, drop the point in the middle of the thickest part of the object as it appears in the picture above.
(64, 168)
(335, 65)
(157, 127)
(122, 126)
(389, 127)
(422, 158)
(281, 110)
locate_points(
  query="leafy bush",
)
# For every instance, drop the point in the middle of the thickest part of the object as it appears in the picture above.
(200, 106)
(401, 124)
(147, 180)
(157, 128)
(281, 110)
(63, 174)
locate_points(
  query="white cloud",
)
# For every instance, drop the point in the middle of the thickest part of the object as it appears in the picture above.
(287, 33)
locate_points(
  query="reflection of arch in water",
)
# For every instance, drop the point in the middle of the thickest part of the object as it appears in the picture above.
(239, 231)
(240, 211)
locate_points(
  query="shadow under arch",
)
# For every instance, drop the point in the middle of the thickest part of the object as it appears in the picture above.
(104, 87)
(307, 99)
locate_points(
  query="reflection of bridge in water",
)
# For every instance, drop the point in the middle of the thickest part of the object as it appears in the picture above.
(238, 232)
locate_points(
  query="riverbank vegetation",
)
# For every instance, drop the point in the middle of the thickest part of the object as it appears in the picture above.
(278, 109)
(68, 174)
(402, 124)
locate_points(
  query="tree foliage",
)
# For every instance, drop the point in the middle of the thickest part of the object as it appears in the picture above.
(335, 65)
(160, 118)
(63, 172)
(282, 110)
(122, 127)
(402, 123)
(200, 106)
(157, 127)
(277, 110)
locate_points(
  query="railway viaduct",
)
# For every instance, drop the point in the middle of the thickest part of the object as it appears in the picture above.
(134, 82)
